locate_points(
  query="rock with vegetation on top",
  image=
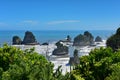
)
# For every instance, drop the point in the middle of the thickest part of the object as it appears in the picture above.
(61, 49)
(29, 38)
(114, 40)
(68, 38)
(16, 40)
(98, 39)
(83, 40)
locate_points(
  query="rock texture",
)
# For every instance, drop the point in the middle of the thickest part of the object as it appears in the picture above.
(98, 39)
(60, 50)
(74, 60)
(45, 43)
(83, 40)
(16, 40)
(29, 39)
(68, 38)
(114, 41)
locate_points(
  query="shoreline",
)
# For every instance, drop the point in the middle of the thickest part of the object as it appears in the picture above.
(63, 61)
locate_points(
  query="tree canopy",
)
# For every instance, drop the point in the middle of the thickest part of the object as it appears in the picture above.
(26, 65)
(100, 64)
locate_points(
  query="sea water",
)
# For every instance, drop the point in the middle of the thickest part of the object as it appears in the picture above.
(51, 35)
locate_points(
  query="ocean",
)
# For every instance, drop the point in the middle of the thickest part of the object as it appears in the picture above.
(51, 36)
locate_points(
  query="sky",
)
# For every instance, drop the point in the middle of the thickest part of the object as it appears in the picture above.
(59, 14)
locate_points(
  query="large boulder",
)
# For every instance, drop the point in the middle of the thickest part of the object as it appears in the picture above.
(61, 49)
(83, 40)
(114, 40)
(29, 39)
(98, 39)
(16, 40)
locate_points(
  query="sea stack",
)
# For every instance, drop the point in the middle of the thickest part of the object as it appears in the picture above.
(83, 40)
(29, 39)
(16, 40)
(98, 39)
(61, 49)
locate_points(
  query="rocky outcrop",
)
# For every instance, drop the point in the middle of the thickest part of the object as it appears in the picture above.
(29, 39)
(74, 60)
(61, 49)
(114, 41)
(16, 40)
(68, 38)
(98, 39)
(45, 43)
(83, 40)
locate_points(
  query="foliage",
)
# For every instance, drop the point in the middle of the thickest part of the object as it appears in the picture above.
(25, 65)
(100, 64)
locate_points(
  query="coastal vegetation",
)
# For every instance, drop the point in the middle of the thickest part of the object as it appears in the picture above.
(100, 64)
(16, 64)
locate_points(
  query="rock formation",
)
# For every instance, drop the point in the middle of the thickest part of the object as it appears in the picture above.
(114, 40)
(83, 40)
(29, 39)
(16, 40)
(68, 38)
(45, 43)
(61, 49)
(98, 39)
(74, 60)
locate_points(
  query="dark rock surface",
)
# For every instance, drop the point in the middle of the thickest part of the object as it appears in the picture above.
(45, 43)
(114, 41)
(16, 40)
(29, 39)
(98, 39)
(61, 49)
(74, 60)
(68, 38)
(83, 40)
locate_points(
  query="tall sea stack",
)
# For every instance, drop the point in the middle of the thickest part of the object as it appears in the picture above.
(29, 39)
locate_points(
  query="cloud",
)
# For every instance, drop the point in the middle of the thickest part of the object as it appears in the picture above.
(29, 22)
(62, 21)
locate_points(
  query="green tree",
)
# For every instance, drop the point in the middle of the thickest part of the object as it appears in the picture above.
(99, 65)
(24, 65)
